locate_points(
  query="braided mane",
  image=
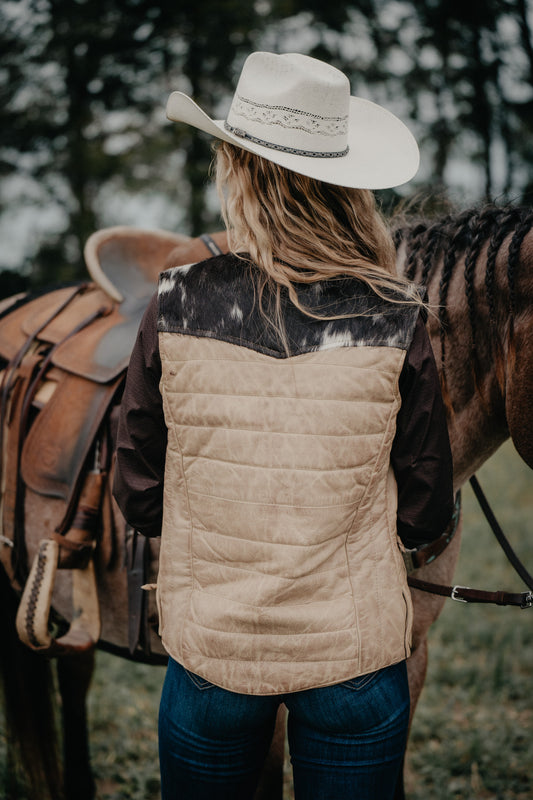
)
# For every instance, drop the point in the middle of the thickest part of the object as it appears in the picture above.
(435, 248)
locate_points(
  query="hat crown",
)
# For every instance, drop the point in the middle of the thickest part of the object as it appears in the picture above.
(292, 102)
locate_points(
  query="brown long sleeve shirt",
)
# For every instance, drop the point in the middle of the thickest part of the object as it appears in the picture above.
(420, 456)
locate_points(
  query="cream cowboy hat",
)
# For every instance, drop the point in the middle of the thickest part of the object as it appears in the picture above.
(297, 112)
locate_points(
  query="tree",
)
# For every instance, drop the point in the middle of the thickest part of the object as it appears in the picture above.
(83, 97)
(83, 85)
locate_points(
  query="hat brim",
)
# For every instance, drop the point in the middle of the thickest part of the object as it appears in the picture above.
(382, 152)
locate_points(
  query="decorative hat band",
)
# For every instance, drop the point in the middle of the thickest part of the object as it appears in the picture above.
(285, 119)
(283, 148)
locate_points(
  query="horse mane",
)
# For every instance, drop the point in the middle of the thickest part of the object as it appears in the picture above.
(435, 248)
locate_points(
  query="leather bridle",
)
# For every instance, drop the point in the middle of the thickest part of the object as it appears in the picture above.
(464, 594)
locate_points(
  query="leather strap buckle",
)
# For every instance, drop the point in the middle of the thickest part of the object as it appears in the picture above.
(455, 596)
(528, 600)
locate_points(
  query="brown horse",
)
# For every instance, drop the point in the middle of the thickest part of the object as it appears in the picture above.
(475, 266)
(477, 269)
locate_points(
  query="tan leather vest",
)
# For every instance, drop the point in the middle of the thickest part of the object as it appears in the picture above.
(280, 567)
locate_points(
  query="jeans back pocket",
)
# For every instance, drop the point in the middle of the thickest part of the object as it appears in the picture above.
(199, 682)
(361, 682)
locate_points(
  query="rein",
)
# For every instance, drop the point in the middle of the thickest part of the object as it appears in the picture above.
(464, 594)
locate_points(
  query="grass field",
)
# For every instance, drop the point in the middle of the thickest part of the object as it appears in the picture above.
(473, 731)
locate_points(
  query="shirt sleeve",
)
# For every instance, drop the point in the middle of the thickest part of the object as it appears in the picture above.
(421, 455)
(142, 434)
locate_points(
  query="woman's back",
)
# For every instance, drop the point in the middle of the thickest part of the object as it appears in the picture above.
(280, 528)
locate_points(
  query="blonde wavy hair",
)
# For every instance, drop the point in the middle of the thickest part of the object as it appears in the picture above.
(300, 230)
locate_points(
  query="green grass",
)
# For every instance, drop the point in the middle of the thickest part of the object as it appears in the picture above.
(123, 705)
(472, 736)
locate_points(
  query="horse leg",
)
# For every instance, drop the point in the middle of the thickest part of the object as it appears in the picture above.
(270, 785)
(74, 677)
(416, 672)
(29, 710)
(427, 609)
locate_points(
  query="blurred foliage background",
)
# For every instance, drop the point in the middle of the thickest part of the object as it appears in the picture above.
(85, 144)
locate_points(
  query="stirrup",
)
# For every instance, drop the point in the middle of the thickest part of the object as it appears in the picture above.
(34, 609)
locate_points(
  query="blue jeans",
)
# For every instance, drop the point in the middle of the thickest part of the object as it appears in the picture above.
(346, 741)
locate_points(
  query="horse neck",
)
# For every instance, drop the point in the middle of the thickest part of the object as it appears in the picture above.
(471, 361)
(473, 333)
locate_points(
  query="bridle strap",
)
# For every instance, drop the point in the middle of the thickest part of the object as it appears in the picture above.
(464, 594)
(211, 245)
(420, 556)
(499, 534)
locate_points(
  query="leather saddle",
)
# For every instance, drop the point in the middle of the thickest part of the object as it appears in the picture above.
(65, 355)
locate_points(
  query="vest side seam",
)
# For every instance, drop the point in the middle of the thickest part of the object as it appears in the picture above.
(392, 523)
(189, 510)
(392, 415)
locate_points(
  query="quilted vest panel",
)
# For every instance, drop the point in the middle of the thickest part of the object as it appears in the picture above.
(280, 568)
